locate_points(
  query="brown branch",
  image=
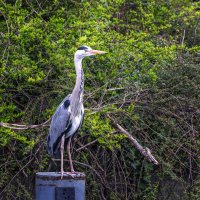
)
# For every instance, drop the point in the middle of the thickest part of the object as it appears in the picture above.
(23, 127)
(144, 151)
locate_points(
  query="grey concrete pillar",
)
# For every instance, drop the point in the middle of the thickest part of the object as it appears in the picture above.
(49, 186)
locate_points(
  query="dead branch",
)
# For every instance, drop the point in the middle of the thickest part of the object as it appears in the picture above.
(23, 127)
(144, 151)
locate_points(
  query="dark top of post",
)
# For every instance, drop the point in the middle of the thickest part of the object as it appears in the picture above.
(57, 176)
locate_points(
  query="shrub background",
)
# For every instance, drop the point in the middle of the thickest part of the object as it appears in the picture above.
(149, 82)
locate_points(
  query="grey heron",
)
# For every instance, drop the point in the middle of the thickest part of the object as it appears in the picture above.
(69, 115)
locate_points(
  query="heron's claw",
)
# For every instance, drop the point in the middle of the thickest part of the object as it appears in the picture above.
(74, 174)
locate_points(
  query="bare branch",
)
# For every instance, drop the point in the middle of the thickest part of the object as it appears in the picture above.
(144, 151)
(23, 127)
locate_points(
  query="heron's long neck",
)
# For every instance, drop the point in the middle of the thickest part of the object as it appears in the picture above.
(78, 90)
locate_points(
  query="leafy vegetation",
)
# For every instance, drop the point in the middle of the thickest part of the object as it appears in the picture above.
(149, 82)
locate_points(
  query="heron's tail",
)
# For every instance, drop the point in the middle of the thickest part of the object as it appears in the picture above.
(53, 149)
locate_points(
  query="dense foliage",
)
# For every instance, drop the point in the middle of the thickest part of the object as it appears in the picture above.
(149, 82)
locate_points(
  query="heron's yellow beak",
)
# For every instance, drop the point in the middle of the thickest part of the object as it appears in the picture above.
(95, 52)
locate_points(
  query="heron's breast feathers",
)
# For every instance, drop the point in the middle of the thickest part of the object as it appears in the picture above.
(75, 124)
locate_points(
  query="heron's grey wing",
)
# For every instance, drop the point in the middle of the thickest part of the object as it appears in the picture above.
(59, 123)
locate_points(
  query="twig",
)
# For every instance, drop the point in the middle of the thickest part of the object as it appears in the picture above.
(20, 166)
(93, 157)
(88, 144)
(144, 151)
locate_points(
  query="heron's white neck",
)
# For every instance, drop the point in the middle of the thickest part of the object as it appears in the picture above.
(79, 86)
(78, 66)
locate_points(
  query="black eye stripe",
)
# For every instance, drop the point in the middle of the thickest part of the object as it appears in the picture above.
(83, 48)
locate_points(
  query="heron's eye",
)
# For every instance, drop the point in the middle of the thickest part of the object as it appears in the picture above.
(86, 50)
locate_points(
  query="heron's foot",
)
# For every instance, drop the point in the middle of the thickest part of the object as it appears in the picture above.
(73, 174)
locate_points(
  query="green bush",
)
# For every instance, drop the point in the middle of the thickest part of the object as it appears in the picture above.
(148, 82)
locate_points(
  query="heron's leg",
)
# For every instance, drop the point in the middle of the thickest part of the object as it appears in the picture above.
(61, 152)
(69, 155)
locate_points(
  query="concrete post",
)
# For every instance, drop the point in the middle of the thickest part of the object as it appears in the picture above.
(49, 186)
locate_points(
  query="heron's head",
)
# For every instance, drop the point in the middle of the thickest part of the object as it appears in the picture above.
(85, 51)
